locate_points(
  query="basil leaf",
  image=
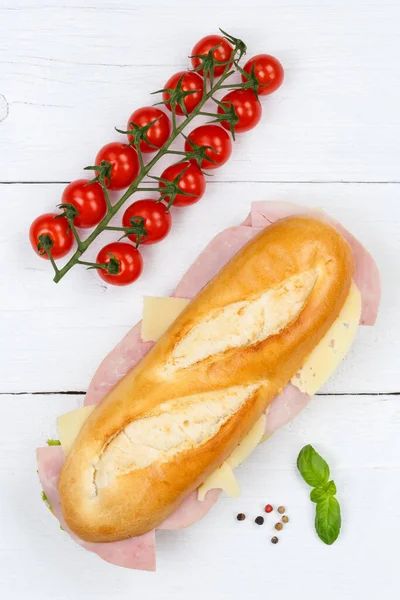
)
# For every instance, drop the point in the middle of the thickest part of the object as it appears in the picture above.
(328, 519)
(330, 488)
(313, 468)
(318, 494)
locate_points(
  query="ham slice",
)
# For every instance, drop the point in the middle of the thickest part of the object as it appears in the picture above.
(215, 256)
(191, 510)
(116, 364)
(134, 553)
(131, 349)
(285, 408)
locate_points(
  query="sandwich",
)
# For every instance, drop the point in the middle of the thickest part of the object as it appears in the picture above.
(254, 329)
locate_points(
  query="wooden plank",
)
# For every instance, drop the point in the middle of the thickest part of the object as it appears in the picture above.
(69, 75)
(359, 436)
(54, 336)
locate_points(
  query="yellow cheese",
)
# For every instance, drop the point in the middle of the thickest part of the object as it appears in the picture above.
(222, 478)
(333, 347)
(158, 314)
(248, 444)
(69, 425)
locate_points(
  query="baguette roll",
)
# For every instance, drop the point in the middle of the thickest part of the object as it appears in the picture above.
(180, 413)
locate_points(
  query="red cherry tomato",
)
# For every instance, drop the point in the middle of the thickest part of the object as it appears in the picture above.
(247, 108)
(129, 259)
(157, 220)
(217, 138)
(158, 133)
(192, 182)
(57, 229)
(223, 52)
(268, 70)
(125, 164)
(190, 81)
(88, 198)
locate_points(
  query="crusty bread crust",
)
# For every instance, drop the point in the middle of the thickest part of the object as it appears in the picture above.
(138, 501)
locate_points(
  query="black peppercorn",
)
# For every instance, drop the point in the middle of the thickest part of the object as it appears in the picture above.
(274, 540)
(259, 520)
(241, 517)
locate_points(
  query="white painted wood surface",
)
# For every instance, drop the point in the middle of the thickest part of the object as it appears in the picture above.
(69, 72)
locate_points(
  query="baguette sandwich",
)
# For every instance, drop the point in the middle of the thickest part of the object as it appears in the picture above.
(245, 343)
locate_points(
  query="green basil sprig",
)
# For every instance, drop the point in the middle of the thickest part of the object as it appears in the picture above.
(315, 471)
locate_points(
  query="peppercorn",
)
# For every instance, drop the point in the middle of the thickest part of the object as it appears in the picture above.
(281, 510)
(285, 519)
(278, 526)
(241, 517)
(259, 520)
(268, 508)
(274, 540)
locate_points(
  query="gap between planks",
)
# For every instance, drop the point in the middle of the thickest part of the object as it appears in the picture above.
(307, 182)
(82, 393)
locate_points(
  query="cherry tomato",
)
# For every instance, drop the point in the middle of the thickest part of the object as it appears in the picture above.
(268, 70)
(158, 133)
(125, 164)
(217, 138)
(192, 182)
(157, 220)
(88, 198)
(130, 263)
(57, 229)
(247, 108)
(222, 53)
(191, 81)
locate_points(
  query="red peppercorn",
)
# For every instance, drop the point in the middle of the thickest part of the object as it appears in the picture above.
(268, 508)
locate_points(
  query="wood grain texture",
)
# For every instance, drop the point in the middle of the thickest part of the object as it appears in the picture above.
(57, 334)
(69, 72)
(226, 559)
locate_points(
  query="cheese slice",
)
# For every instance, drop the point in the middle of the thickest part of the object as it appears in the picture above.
(158, 314)
(222, 478)
(69, 425)
(333, 347)
(248, 444)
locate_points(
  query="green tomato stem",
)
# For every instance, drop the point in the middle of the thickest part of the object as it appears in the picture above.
(53, 262)
(112, 210)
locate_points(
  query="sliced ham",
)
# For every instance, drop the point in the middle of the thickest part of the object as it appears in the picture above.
(285, 407)
(214, 256)
(191, 510)
(134, 553)
(140, 552)
(116, 364)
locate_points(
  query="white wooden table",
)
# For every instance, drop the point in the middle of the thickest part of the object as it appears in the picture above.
(329, 137)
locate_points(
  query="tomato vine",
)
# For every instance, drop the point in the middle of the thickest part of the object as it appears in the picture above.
(177, 99)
